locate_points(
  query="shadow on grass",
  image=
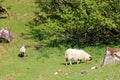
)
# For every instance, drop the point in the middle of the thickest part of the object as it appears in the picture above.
(73, 63)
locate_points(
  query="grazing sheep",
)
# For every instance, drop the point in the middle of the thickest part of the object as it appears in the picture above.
(76, 55)
(22, 51)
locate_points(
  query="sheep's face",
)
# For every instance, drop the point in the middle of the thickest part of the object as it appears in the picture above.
(89, 58)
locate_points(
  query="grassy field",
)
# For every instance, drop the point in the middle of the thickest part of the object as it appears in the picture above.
(42, 64)
(20, 13)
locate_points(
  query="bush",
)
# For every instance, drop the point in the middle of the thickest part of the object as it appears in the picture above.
(76, 22)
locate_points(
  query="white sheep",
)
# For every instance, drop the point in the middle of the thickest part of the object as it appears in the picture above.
(22, 51)
(76, 55)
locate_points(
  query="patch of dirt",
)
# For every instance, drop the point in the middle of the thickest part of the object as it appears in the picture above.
(2, 50)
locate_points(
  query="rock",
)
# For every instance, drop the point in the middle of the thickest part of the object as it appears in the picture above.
(94, 68)
(58, 72)
(84, 71)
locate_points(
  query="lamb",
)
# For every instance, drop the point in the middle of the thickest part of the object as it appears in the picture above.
(76, 55)
(22, 51)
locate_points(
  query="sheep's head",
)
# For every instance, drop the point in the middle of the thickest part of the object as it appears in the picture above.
(88, 58)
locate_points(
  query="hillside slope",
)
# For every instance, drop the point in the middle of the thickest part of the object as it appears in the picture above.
(42, 64)
(21, 11)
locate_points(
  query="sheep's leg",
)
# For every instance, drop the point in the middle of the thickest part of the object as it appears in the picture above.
(70, 63)
(66, 61)
(78, 61)
(23, 54)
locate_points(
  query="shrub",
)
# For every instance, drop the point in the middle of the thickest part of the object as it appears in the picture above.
(76, 22)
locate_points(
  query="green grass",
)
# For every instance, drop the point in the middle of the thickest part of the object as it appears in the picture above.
(20, 12)
(42, 64)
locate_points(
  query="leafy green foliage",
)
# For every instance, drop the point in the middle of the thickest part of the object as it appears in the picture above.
(76, 22)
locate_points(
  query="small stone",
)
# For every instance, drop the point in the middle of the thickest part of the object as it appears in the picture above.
(83, 71)
(94, 68)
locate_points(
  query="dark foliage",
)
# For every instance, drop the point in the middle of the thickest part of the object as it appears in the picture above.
(76, 22)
